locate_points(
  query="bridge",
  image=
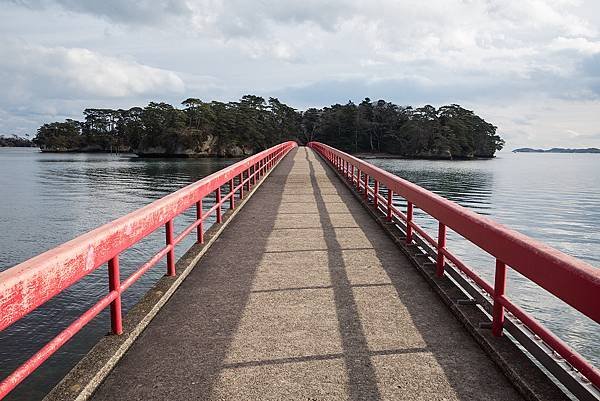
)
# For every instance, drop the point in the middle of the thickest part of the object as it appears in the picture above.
(313, 285)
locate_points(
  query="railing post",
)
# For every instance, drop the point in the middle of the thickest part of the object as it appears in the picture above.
(390, 195)
(171, 253)
(200, 228)
(366, 187)
(232, 197)
(409, 218)
(218, 200)
(376, 194)
(441, 242)
(114, 284)
(499, 289)
(358, 178)
(241, 178)
(352, 175)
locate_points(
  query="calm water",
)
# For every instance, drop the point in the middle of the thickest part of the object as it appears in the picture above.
(47, 199)
(554, 198)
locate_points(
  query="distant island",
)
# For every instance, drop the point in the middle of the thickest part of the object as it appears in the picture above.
(15, 142)
(252, 124)
(557, 150)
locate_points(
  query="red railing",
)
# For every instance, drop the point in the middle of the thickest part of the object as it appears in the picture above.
(572, 280)
(30, 284)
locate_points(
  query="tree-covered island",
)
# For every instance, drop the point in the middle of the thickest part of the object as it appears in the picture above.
(15, 141)
(241, 128)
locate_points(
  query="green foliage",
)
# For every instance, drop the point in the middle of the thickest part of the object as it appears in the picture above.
(253, 124)
(59, 136)
(373, 127)
(15, 141)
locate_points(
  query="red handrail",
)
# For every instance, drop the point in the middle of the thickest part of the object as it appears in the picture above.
(570, 279)
(30, 284)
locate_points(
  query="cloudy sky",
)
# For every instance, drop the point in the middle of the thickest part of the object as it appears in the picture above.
(531, 67)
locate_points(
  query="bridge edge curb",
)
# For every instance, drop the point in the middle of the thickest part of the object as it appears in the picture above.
(101, 359)
(529, 381)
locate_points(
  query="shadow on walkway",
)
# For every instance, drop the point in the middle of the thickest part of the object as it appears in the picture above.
(470, 374)
(304, 297)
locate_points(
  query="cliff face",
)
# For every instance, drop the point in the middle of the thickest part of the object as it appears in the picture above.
(441, 153)
(209, 147)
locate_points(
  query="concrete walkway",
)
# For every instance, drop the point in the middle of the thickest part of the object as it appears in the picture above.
(303, 297)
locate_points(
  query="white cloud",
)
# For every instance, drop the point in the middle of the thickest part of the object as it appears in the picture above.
(483, 53)
(55, 71)
(582, 45)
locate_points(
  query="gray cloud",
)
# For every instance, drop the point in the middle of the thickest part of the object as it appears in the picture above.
(522, 63)
(124, 12)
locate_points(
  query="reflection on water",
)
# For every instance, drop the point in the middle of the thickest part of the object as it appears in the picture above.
(48, 199)
(554, 198)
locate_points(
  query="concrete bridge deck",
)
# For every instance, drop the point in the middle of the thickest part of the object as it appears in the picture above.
(305, 297)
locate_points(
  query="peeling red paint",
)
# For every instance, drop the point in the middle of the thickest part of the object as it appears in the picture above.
(30, 284)
(570, 279)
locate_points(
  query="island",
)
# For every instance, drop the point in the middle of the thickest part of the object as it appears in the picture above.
(557, 150)
(15, 141)
(235, 129)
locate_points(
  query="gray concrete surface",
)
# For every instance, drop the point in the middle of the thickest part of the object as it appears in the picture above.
(304, 297)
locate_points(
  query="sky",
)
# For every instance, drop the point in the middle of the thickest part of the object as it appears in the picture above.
(530, 67)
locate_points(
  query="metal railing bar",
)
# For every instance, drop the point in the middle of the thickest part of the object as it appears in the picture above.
(49, 273)
(144, 268)
(21, 373)
(586, 275)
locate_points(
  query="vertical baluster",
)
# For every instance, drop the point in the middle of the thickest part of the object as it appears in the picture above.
(241, 179)
(171, 253)
(200, 228)
(390, 195)
(218, 200)
(232, 197)
(441, 242)
(366, 187)
(499, 290)
(409, 219)
(114, 284)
